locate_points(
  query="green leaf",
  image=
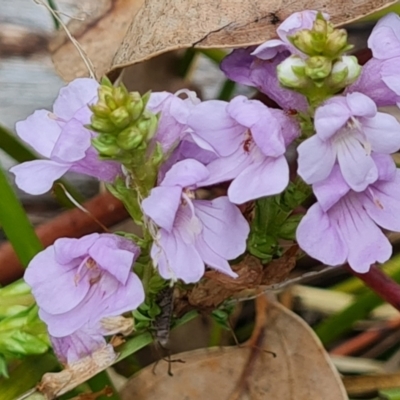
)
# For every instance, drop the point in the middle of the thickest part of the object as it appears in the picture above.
(26, 375)
(16, 224)
(99, 382)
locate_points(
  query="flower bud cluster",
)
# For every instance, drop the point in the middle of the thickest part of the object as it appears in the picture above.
(318, 66)
(121, 120)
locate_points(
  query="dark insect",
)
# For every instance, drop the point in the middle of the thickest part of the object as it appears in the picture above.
(162, 322)
(274, 19)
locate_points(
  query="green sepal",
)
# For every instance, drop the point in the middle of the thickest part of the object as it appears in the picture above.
(129, 197)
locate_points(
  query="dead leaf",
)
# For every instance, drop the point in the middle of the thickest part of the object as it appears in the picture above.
(301, 369)
(279, 269)
(99, 34)
(164, 25)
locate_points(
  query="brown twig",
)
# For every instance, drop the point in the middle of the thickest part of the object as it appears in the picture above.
(365, 339)
(72, 223)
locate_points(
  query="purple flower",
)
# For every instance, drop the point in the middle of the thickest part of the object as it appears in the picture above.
(250, 139)
(343, 225)
(380, 76)
(245, 67)
(61, 137)
(78, 282)
(174, 114)
(348, 128)
(193, 232)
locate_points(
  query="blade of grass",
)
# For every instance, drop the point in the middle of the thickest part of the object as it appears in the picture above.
(214, 55)
(52, 5)
(26, 375)
(99, 382)
(16, 224)
(336, 325)
(227, 90)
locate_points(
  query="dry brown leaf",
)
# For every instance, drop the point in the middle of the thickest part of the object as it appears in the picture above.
(99, 34)
(164, 25)
(301, 369)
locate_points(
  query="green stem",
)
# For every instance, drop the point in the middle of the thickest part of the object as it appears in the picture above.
(227, 90)
(53, 6)
(99, 382)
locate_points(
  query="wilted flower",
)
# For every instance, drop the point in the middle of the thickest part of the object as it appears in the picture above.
(343, 225)
(77, 283)
(193, 232)
(348, 128)
(61, 137)
(251, 140)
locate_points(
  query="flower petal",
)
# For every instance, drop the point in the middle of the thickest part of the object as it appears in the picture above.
(237, 66)
(211, 122)
(38, 176)
(331, 117)
(77, 94)
(176, 259)
(358, 168)
(361, 105)
(265, 178)
(264, 127)
(330, 190)
(225, 230)
(317, 235)
(383, 132)
(382, 203)
(39, 130)
(316, 159)
(69, 249)
(162, 205)
(213, 259)
(185, 173)
(366, 242)
(72, 143)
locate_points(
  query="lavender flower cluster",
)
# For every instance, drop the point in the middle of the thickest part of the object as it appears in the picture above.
(155, 151)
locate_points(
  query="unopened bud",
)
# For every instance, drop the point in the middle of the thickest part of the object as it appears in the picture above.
(102, 124)
(148, 125)
(135, 105)
(130, 138)
(105, 146)
(111, 103)
(100, 110)
(345, 72)
(291, 72)
(120, 95)
(120, 117)
(336, 43)
(318, 67)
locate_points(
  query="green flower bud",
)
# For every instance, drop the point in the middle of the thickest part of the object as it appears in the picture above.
(99, 124)
(336, 43)
(120, 95)
(100, 110)
(135, 105)
(111, 103)
(318, 67)
(104, 148)
(148, 124)
(130, 138)
(120, 117)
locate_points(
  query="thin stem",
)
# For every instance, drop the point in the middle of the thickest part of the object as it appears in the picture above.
(381, 284)
(53, 6)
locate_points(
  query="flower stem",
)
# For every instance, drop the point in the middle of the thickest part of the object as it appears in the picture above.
(381, 284)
